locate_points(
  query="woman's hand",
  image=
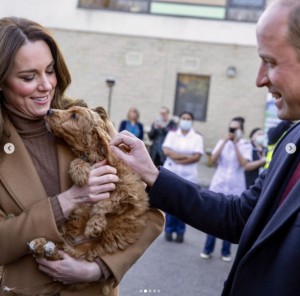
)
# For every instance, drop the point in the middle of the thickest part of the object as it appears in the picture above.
(70, 270)
(101, 182)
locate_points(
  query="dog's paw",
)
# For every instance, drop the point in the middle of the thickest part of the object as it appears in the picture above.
(79, 172)
(36, 247)
(41, 248)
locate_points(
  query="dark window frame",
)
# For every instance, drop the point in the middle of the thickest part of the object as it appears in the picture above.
(148, 12)
(202, 116)
(227, 7)
(230, 4)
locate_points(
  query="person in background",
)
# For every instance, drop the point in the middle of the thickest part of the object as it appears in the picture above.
(274, 135)
(183, 149)
(132, 124)
(259, 151)
(231, 155)
(157, 134)
(265, 219)
(36, 193)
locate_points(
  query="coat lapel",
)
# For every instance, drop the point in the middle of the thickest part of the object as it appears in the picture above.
(256, 229)
(289, 207)
(65, 156)
(19, 175)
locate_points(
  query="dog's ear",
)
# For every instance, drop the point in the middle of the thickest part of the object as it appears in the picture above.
(102, 112)
(109, 125)
(103, 145)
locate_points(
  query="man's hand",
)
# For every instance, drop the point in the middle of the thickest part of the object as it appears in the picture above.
(137, 156)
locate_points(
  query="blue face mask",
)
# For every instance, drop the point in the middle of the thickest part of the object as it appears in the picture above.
(185, 125)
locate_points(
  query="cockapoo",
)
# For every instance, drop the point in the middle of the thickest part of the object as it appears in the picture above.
(109, 225)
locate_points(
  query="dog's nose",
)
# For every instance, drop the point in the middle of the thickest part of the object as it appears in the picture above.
(50, 112)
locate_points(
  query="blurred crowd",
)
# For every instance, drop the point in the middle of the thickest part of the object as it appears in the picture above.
(178, 147)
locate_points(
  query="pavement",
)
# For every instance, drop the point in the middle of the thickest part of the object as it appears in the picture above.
(205, 171)
(173, 269)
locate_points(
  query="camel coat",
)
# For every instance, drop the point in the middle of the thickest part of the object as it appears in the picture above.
(26, 213)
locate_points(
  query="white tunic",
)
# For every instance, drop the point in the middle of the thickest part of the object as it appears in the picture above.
(229, 177)
(187, 144)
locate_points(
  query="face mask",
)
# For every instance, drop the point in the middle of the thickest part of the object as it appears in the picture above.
(185, 125)
(238, 134)
(260, 140)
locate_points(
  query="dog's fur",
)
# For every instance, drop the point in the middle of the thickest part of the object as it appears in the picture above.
(108, 225)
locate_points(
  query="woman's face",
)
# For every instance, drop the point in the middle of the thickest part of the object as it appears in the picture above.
(164, 114)
(234, 124)
(31, 83)
(132, 115)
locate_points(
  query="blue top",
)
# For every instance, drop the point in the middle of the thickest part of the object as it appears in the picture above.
(136, 129)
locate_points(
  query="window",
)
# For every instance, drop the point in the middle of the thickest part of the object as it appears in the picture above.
(245, 10)
(136, 6)
(247, 3)
(192, 95)
(236, 10)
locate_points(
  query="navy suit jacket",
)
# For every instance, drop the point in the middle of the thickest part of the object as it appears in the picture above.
(268, 258)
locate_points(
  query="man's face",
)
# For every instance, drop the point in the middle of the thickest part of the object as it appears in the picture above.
(280, 66)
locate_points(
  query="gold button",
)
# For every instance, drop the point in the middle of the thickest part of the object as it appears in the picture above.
(105, 290)
(9, 216)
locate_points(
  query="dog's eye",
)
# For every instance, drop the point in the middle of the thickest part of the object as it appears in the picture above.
(74, 116)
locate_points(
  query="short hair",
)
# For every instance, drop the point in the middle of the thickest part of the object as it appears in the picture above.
(165, 108)
(293, 21)
(241, 121)
(187, 112)
(254, 131)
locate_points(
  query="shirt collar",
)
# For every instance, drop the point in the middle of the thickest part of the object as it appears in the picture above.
(191, 132)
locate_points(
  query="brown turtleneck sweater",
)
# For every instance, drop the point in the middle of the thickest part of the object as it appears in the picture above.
(41, 146)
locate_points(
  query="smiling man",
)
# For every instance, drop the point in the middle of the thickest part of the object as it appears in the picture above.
(264, 220)
(279, 49)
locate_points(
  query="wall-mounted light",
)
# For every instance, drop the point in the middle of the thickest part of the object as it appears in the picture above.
(231, 71)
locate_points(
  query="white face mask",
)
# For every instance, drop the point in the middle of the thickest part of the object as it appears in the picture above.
(238, 134)
(185, 125)
(260, 140)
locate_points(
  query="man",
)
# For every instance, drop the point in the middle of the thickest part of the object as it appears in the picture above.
(265, 220)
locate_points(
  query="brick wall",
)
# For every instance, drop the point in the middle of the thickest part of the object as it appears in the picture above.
(145, 70)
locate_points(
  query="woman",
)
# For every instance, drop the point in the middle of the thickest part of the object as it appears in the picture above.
(259, 152)
(157, 134)
(231, 154)
(183, 149)
(132, 124)
(36, 195)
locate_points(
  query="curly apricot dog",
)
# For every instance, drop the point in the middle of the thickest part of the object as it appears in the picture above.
(108, 225)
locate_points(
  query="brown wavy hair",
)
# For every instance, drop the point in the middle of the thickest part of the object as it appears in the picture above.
(16, 32)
